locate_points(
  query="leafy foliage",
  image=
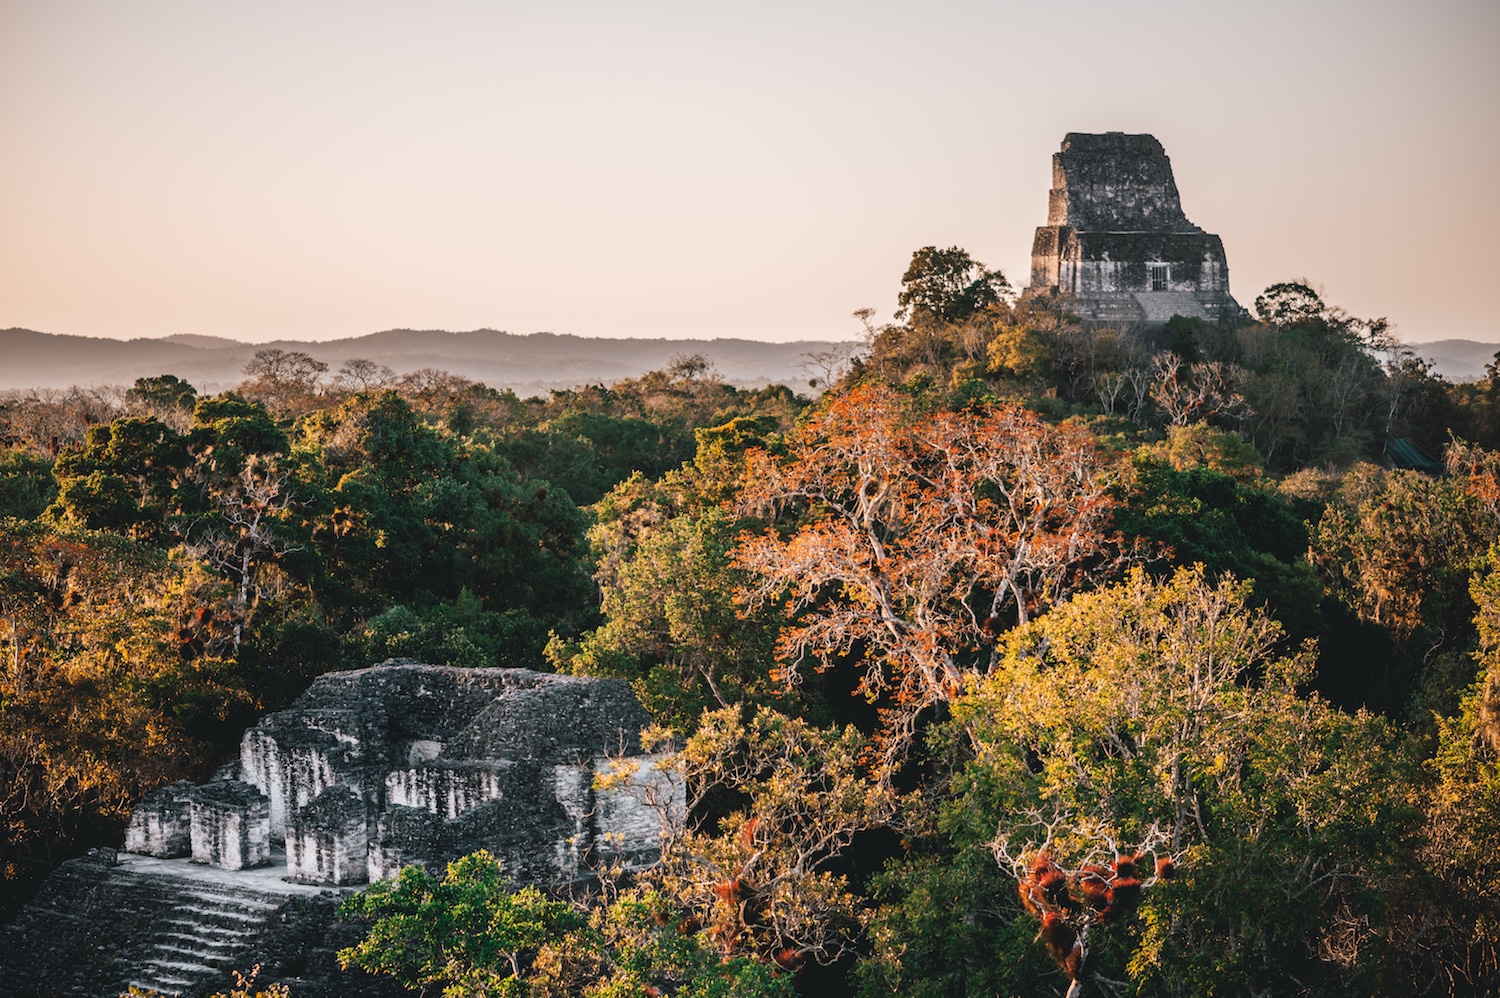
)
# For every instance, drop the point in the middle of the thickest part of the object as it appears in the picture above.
(667, 583)
(469, 931)
(947, 285)
(945, 533)
(1159, 705)
(913, 532)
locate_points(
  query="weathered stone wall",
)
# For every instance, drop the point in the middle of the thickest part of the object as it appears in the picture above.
(231, 825)
(1117, 241)
(449, 788)
(404, 836)
(295, 755)
(402, 763)
(162, 822)
(328, 840)
(1114, 182)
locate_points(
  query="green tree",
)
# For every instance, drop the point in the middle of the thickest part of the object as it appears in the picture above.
(165, 391)
(663, 552)
(1446, 933)
(26, 484)
(471, 931)
(477, 935)
(948, 286)
(124, 478)
(410, 514)
(1195, 514)
(1163, 705)
(1397, 550)
(1290, 303)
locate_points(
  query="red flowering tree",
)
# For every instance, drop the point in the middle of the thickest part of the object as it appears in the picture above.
(918, 536)
(1069, 901)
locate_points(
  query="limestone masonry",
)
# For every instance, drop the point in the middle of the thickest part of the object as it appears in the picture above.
(373, 770)
(366, 772)
(1117, 241)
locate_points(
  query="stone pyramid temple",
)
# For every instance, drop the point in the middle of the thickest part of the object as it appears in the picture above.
(368, 771)
(1117, 243)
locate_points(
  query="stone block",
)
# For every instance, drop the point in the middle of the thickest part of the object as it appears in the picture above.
(161, 823)
(573, 787)
(295, 755)
(231, 825)
(404, 836)
(556, 719)
(327, 840)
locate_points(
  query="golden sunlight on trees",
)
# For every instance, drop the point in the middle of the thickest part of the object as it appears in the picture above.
(1161, 714)
(756, 878)
(1447, 929)
(913, 538)
(108, 660)
(1398, 546)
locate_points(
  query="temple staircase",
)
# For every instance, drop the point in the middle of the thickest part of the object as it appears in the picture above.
(1160, 306)
(209, 932)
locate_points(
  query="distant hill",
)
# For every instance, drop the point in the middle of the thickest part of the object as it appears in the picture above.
(1459, 360)
(529, 364)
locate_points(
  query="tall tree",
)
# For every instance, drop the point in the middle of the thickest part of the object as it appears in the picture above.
(1161, 710)
(948, 285)
(913, 535)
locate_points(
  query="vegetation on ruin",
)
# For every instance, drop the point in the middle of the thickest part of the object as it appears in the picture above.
(1030, 657)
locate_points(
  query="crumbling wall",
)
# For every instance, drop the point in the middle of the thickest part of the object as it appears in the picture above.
(404, 836)
(448, 788)
(1114, 182)
(328, 840)
(295, 755)
(161, 823)
(231, 825)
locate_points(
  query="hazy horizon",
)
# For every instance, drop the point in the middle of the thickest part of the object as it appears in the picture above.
(670, 170)
(1495, 340)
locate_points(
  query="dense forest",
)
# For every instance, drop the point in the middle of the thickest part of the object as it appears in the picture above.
(1029, 656)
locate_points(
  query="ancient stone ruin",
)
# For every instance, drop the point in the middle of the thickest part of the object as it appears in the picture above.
(1117, 242)
(403, 763)
(366, 772)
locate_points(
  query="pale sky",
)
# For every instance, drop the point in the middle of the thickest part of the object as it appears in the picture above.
(314, 170)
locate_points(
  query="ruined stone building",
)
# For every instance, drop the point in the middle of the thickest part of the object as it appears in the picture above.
(1116, 239)
(366, 772)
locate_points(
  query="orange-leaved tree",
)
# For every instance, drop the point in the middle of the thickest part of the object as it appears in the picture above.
(917, 536)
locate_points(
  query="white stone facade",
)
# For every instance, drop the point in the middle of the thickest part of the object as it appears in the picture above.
(407, 763)
(231, 826)
(161, 824)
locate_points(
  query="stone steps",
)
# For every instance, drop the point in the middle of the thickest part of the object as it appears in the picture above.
(1162, 305)
(208, 933)
(1115, 308)
(176, 928)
